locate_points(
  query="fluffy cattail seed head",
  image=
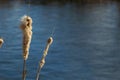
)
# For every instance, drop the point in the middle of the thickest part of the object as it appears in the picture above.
(26, 27)
(26, 22)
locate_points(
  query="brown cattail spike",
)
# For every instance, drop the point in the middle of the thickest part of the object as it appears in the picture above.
(1, 42)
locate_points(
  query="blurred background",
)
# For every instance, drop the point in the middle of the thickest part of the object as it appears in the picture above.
(86, 39)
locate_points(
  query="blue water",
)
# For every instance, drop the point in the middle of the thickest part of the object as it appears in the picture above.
(86, 41)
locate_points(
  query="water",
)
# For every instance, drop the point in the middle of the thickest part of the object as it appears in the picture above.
(86, 41)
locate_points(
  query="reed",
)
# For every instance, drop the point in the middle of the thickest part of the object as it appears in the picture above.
(42, 61)
(1, 42)
(26, 27)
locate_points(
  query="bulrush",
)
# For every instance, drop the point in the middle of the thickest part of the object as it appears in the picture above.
(42, 61)
(26, 27)
(49, 42)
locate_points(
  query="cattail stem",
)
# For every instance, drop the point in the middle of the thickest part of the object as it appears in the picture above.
(24, 70)
(38, 73)
(42, 61)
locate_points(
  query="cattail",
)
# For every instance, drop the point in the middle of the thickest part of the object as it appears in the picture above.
(42, 61)
(49, 42)
(1, 42)
(26, 27)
